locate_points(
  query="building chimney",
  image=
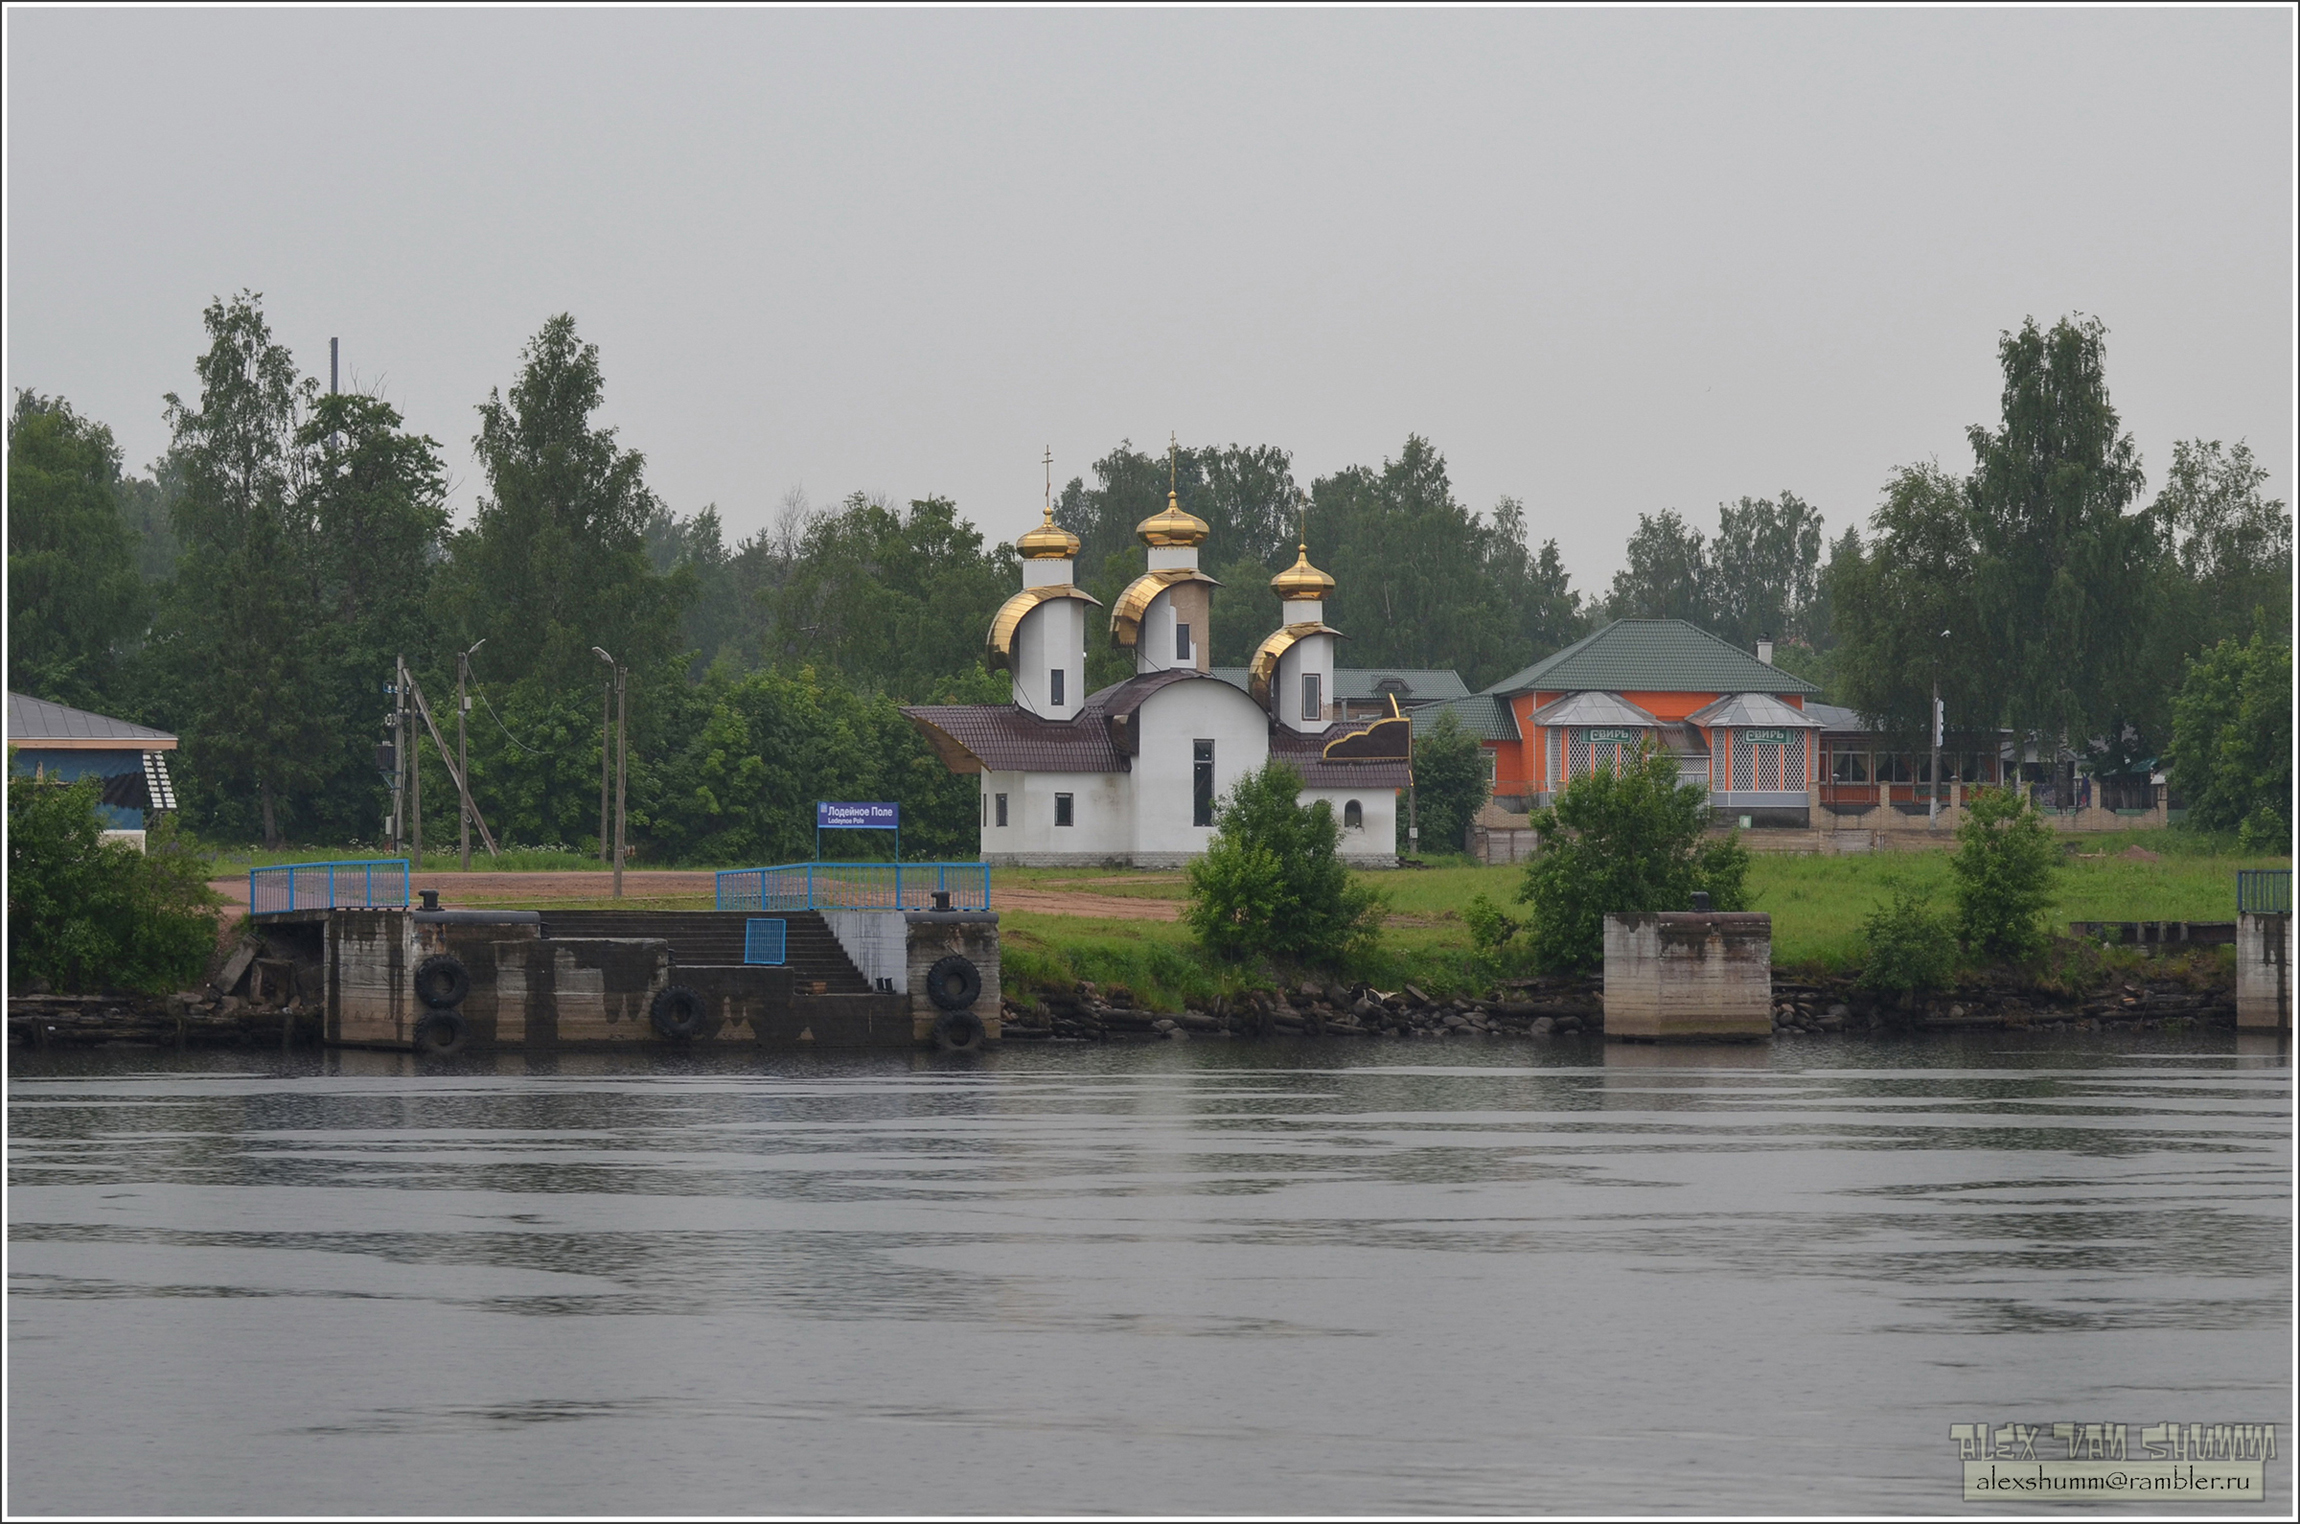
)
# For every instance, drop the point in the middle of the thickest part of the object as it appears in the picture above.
(1765, 649)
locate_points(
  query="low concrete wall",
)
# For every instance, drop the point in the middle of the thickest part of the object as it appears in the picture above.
(576, 990)
(1675, 976)
(930, 935)
(370, 962)
(2264, 972)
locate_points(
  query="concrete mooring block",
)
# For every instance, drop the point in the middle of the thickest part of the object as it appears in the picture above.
(1689, 976)
(2264, 972)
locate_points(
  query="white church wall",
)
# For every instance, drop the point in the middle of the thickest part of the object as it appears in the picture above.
(1375, 843)
(1313, 654)
(1154, 641)
(1051, 636)
(1171, 722)
(1097, 833)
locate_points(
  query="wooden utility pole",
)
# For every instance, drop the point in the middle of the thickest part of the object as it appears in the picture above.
(398, 753)
(622, 765)
(463, 751)
(414, 776)
(618, 692)
(461, 779)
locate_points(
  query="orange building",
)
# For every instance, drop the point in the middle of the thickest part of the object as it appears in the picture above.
(1736, 723)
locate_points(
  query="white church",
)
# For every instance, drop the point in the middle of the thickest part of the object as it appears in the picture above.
(1130, 775)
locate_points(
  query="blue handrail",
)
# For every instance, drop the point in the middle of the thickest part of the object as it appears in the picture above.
(853, 886)
(2264, 891)
(316, 886)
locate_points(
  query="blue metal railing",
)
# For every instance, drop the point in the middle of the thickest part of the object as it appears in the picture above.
(2264, 891)
(327, 886)
(854, 886)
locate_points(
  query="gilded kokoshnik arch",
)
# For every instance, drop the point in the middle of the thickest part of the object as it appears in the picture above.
(1130, 774)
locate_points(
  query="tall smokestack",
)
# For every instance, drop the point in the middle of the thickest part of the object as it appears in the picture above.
(331, 370)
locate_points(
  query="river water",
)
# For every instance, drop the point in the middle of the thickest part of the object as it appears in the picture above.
(1273, 1278)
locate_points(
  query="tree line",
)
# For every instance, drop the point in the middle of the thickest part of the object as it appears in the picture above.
(251, 589)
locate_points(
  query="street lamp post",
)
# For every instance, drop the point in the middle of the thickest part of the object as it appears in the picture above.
(619, 690)
(1933, 793)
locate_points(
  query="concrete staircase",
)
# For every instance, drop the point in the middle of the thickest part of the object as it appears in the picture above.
(715, 937)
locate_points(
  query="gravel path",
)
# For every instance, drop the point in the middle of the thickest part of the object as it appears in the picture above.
(663, 883)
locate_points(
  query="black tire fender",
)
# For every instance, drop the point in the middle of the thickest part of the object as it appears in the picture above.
(441, 981)
(954, 983)
(958, 1032)
(678, 1012)
(439, 1034)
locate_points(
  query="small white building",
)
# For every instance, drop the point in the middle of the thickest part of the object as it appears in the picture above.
(1130, 775)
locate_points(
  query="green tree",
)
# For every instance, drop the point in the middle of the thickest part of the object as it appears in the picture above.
(1632, 842)
(896, 600)
(2062, 564)
(1668, 575)
(1891, 603)
(1450, 783)
(555, 561)
(85, 914)
(1765, 571)
(372, 524)
(75, 604)
(2231, 542)
(236, 652)
(1410, 563)
(2231, 753)
(2003, 868)
(1549, 615)
(1272, 882)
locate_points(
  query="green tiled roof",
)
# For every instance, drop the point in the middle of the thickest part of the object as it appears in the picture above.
(1652, 656)
(1482, 715)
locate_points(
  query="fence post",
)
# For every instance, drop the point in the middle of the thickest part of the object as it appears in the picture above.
(331, 886)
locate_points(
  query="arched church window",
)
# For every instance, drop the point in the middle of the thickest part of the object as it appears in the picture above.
(1354, 816)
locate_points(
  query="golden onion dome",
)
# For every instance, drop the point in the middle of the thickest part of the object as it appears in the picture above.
(1048, 542)
(1301, 581)
(1173, 527)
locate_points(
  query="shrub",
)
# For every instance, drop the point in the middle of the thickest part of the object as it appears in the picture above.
(1273, 884)
(85, 914)
(2003, 866)
(1489, 928)
(1906, 946)
(1626, 843)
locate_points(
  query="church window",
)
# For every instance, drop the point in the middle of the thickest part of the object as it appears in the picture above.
(1354, 816)
(1054, 686)
(1312, 707)
(1181, 642)
(1202, 783)
(1002, 809)
(1062, 809)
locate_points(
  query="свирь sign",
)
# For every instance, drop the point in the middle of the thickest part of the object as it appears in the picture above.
(857, 817)
(1624, 737)
(1766, 737)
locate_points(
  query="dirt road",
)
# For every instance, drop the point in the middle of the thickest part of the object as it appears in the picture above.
(661, 884)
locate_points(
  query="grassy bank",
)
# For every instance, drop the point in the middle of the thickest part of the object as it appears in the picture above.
(1817, 905)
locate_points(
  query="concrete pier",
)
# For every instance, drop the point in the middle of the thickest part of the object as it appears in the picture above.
(2264, 972)
(1689, 976)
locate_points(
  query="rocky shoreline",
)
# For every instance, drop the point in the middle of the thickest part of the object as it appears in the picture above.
(278, 1011)
(1560, 1007)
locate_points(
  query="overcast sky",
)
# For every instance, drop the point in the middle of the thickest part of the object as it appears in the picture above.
(1608, 262)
